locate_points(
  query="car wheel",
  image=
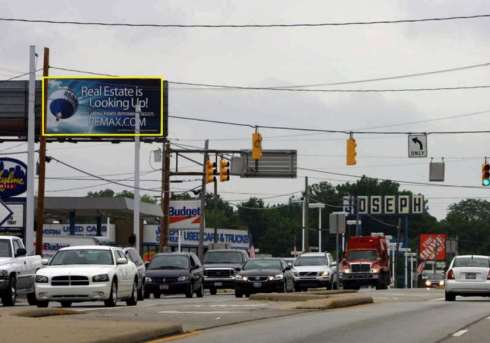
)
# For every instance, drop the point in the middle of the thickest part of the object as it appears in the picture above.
(335, 285)
(297, 288)
(200, 291)
(247, 294)
(146, 294)
(189, 292)
(141, 293)
(31, 299)
(111, 302)
(11, 295)
(213, 291)
(238, 294)
(450, 296)
(66, 304)
(42, 303)
(156, 295)
(133, 300)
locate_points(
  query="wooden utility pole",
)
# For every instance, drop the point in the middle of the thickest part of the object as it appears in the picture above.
(164, 224)
(42, 164)
(203, 202)
(306, 209)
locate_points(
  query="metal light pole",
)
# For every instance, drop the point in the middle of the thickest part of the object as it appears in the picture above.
(320, 206)
(137, 198)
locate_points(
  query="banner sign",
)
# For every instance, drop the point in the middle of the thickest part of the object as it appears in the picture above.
(432, 246)
(13, 177)
(184, 214)
(86, 230)
(103, 106)
(387, 204)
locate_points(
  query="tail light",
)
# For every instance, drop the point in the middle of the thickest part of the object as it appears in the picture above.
(450, 274)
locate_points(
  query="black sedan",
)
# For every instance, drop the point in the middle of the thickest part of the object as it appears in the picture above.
(264, 275)
(174, 273)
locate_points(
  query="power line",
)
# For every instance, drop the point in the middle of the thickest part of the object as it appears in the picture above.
(244, 26)
(19, 76)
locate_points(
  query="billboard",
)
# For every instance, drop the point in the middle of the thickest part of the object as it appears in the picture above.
(184, 214)
(13, 177)
(432, 246)
(102, 106)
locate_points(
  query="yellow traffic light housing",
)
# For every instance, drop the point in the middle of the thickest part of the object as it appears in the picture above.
(256, 146)
(224, 170)
(210, 171)
(351, 151)
(485, 174)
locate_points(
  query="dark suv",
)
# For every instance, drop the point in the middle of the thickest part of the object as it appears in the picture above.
(174, 273)
(221, 267)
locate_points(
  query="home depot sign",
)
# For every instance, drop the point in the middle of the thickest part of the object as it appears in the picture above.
(185, 214)
(432, 246)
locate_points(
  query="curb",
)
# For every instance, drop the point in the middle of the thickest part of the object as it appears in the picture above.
(144, 335)
(287, 297)
(333, 303)
(40, 313)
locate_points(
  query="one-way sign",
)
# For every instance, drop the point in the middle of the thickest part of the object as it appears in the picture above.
(417, 145)
(5, 213)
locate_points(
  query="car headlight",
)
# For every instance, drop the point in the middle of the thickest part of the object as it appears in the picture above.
(182, 278)
(242, 278)
(375, 270)
(347, 270)
(100, 278)
(428, 283)
(276, 277)
(323, 274)
(148, 279)
(441, 283)
(41, 279)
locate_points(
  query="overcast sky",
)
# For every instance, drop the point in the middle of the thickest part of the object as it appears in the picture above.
(281, 56)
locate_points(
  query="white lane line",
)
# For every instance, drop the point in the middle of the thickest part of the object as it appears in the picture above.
(459, 333)
(197, 312)
(488, 317)
(439, 299)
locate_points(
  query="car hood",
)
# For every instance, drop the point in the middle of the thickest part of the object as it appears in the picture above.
(166, 272)
(260, 272)
(310, 268)
(84, 270)
(223, 266)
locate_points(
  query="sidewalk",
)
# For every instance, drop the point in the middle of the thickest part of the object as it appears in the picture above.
(70, 328)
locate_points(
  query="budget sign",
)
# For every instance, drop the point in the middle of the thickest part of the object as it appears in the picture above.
(103, 106)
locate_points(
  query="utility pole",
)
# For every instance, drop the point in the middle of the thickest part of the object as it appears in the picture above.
(165, 202)
(215, 207)
(203, 202)
(306, 205)
(137, 197)
(31, 126)
(42, 164)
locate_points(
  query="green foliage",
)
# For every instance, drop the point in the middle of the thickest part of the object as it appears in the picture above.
(109, 193)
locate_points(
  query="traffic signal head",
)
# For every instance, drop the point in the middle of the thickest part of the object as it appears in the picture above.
(351, 152)
(210, 171)
(256, 146)
(224, 170)
(485, 174)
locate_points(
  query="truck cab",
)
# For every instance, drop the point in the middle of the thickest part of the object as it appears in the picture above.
(365, 263)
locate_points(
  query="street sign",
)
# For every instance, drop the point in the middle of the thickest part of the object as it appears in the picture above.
(417, 145)
(436, 171)
(337, 222)
(273, 164)
(384, 204)
(5, 213)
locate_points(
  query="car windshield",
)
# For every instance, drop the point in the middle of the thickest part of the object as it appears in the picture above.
(5, 248)
(369, 255)
(215, 257)
(169, 262)
(82, 256)
(263, 264)
(472, 262)
(310, 261)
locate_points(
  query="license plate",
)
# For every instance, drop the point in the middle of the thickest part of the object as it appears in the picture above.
(470, 276)
(163, 286)
(257, 284)
(218, 284)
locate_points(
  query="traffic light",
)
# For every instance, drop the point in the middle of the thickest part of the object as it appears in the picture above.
(210, 171)
(256, 146)
(351, 151)
(224, 171)
(485, 174)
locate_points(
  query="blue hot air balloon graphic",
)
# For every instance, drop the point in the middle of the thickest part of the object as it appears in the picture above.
(63, 103)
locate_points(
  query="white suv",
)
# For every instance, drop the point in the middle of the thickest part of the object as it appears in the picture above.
(314, 270)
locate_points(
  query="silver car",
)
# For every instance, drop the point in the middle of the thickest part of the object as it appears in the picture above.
(468, 275)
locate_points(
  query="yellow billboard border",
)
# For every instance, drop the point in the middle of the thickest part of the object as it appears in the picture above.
(91, 77)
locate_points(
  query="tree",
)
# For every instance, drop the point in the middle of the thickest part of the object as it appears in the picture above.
(109, 193)
(106, 193)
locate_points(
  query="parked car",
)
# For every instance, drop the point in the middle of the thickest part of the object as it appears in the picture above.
(134, 257)
(174, 273)
(17, 271)
(468, 275)
(314, 270)
(264, 275)
(87, 273)
(221, 267)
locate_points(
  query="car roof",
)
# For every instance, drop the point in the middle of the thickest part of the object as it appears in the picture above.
(92, 247)
(313, 254)
(471, 256)
(175, 253)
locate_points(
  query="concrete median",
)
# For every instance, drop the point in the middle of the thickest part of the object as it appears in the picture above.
(335, 302)
(304, 296)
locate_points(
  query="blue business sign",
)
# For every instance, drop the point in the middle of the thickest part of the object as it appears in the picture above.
(107, 107)
(13, 177)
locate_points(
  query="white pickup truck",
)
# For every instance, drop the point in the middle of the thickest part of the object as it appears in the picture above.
(17, 271)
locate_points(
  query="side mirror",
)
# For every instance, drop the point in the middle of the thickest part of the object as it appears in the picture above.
(288, 267)
(20, 252)
(122, 260)
(45, 261)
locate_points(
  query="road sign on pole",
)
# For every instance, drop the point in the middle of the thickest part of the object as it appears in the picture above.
(417, 145)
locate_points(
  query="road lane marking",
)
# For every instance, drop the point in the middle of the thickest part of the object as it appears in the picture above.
(176, 337)
(197, 312)
(459, 333)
